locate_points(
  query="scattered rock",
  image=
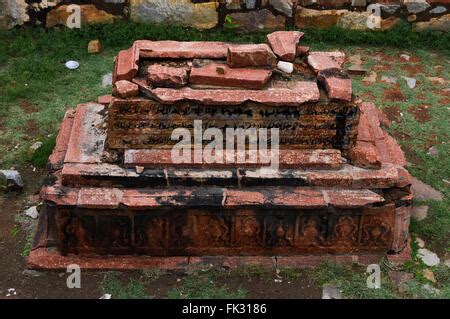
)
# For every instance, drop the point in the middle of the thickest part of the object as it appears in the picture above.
(106, 296)
(107, 80)
(388, 79)
(260, 20)
(250, 4)
(420, 242)
(419, 212)
(32, 212)
(429, 275)
(411, 82)
(33, 148)
(430, 289)
(389, 23)
(200, 15)
(370, 78)
(359, 3)
(31, 273)
(428, 257)
(355, 59)
(331, 292)
(356, 69)
(438, 10)
(125, 89)
(437, 80)
(399, 279)
(166, 76)
(422, 191)
(405, 57)
(447, 262)
(10, 180)
(94, 47)
(286, 67)
(433, 151)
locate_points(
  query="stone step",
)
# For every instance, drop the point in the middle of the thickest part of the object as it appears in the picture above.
(301, 92)
(162, 158)
(114, 175)
(265, 197)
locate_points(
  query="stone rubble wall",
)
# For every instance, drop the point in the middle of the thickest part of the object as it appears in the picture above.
(241, 15)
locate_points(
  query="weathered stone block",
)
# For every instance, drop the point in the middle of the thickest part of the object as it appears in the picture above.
(201, 15)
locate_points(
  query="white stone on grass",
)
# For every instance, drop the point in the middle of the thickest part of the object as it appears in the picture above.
(428, 257)
(331, 292)
(32, 212)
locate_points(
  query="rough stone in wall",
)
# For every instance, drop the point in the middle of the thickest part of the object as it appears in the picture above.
(201, 16)
(89, 15)
(261, 20)
(13, 13)
(240, 15)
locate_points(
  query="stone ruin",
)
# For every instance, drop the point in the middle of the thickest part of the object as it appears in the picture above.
(115, 198)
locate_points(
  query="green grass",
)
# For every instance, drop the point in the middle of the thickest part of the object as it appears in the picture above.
(123, 289)
(352, 281)
(203, 286)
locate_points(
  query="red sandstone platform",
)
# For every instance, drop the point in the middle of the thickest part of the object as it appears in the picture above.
(114, 198)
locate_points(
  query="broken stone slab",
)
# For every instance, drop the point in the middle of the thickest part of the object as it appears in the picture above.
(331, 292)
(181, 50)
(10, 180)
(240, 56)
(284, 44)
(419, 212)
(302, 50)
(320, 61)
(390, 8)
(370, 78)
(428, 257)
(337, 84)
(166, 76)
(125, 89)
(301, 92)
(222, 75)
(388, 79)
(422, 191)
